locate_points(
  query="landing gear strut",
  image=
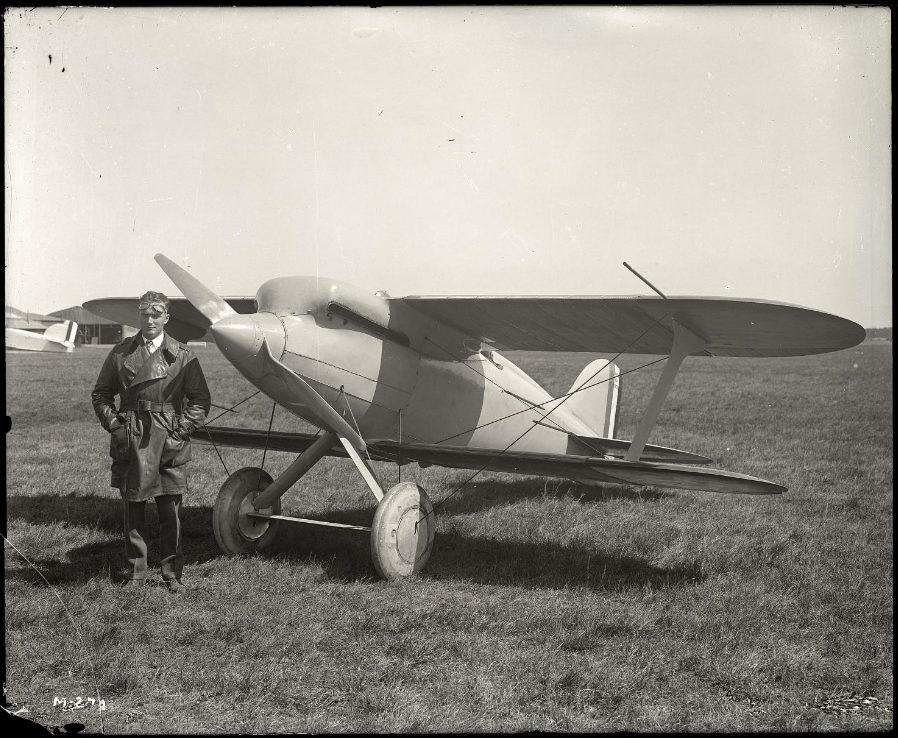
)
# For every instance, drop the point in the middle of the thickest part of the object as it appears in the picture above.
(402, 533)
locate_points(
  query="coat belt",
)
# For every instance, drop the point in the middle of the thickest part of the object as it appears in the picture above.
(146, 405)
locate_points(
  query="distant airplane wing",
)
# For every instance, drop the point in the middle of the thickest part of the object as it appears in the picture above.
(579, 468)
(186, 322)
(642, 324)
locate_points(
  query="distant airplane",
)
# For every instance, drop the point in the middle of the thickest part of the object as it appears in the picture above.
(418, 379)
(58, 338)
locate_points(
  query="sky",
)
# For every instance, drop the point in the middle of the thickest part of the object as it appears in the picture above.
(720, 151)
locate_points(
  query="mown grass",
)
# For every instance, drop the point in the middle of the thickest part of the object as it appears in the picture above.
(546, 605)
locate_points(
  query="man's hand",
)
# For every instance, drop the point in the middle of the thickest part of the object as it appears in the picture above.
(116, 422)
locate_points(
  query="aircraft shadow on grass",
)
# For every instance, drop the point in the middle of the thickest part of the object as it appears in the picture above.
(478, 496)
(345, 555)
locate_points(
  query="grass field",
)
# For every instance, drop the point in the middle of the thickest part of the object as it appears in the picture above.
(546, 605)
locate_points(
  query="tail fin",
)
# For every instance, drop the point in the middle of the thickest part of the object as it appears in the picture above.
(65, 331)
(598, 405)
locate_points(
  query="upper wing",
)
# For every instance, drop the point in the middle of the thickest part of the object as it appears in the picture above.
(642, 324)
(186, 322)
(579, 468)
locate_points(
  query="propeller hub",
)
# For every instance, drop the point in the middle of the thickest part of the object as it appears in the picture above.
(240, 337)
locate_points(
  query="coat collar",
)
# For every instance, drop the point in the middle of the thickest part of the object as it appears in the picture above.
(171, 347)
(156, 366)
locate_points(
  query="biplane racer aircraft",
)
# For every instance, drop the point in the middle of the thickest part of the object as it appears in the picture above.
(420, 379)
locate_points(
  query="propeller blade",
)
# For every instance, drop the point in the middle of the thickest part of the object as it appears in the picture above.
(201, 297)
(237, 340)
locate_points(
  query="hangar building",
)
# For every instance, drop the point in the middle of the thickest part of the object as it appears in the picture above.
(92, 328)
(26, 320)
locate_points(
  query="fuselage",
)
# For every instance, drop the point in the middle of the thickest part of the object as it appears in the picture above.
(21, 340)
(394, 372)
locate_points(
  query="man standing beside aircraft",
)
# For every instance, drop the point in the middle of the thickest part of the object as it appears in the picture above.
(164, 398)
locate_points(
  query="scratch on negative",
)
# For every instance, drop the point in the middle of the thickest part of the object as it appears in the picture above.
(471, 182)
(89, 166)
(405, 42)
(458, 131)
(63, 139)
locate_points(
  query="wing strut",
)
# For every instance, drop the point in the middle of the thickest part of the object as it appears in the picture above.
(685, 342)
(364, 468)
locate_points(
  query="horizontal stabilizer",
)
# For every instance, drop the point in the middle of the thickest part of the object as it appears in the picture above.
(685, 477)
(618, 448)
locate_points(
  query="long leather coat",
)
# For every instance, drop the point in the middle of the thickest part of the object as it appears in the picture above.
(164, 398)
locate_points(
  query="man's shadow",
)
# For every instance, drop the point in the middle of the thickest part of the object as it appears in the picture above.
(106, 557)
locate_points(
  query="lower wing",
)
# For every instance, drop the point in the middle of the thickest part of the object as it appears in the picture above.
(579, 468)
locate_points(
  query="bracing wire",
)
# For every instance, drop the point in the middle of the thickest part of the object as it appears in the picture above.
(355, 423)
(267, 436)
(553, 399)
(226, 409)
(479, 374)
(230, 409)
(582, 386)
(499, 453)
(217, 452)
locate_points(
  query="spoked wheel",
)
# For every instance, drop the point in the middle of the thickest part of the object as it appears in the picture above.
(236, 532)
(402, 532)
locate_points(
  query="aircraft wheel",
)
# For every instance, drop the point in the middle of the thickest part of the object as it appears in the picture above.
(235, 531)
(402, 532)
